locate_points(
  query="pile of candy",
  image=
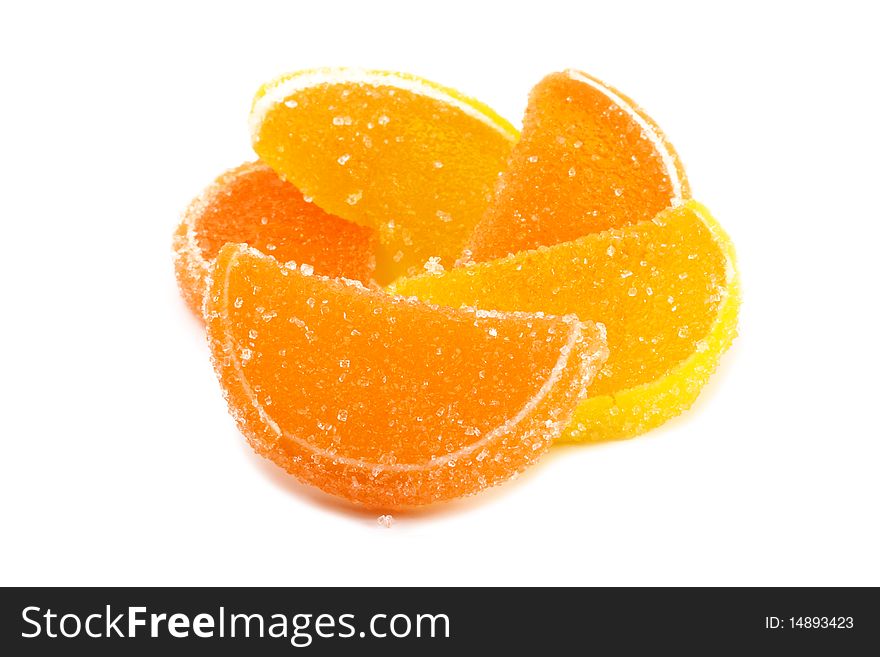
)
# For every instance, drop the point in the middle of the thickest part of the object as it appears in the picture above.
(407, 301)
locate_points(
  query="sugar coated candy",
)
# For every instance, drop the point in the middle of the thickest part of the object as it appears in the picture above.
(666, 289)
(414, 160)
(388, 401)
(559, 285)
(251, 204)
(589, 159)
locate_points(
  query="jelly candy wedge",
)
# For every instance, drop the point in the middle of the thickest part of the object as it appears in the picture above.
(387, 401)
(588, 159)
(666, 289)
(251, 204)
(406, 156)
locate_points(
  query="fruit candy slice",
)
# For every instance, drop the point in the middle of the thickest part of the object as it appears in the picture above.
(406, 156)
(252, 204)
(386, 401)
(589, 159)
(666, 289)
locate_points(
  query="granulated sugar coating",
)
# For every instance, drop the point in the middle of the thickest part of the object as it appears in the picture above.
(463, 372)
(251, 204)
(408, 157)
(388, 401)
(589, 159)
(666, 289)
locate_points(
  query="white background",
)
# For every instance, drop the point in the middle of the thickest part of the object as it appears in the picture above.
(119, 464)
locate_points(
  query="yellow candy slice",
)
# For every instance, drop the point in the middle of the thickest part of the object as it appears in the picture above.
(408, 157)
(666, 289)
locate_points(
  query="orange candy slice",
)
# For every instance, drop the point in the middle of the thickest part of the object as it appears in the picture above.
(666, 289)
(588, 159)
(252, 204)
(387, 401)
(408, 157)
